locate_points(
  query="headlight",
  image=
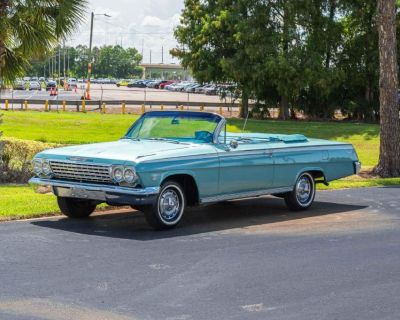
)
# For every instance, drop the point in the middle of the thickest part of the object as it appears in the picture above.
(46, 169)
(37, 166)
(118, 174)
(129, 175)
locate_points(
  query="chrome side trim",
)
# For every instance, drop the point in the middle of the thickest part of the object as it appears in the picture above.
(255, 152)
(357, 167)
(96, 187)
(248, 194)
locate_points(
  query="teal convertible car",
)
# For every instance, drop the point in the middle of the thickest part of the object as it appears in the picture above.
(169, 160)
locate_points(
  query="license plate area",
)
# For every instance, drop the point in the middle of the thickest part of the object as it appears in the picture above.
(79, 193)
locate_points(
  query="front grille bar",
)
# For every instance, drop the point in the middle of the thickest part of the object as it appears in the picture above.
(81, 172)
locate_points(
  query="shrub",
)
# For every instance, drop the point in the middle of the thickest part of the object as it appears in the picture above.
(16, 156)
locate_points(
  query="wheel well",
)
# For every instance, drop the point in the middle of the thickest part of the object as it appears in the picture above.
(319, 176)
(189, 187)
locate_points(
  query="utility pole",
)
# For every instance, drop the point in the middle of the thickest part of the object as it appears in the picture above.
(64, 59)
(87, 95)
(162, 55)
(59, 64)
(90, 52)
(150, 56)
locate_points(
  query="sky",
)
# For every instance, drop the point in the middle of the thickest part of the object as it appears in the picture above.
(144, 24)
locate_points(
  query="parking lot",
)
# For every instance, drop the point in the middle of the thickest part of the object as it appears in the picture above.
(249, 259)
(112, 92)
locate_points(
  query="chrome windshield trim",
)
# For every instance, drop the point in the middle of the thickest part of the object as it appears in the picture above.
(218, 130)
(96, 187)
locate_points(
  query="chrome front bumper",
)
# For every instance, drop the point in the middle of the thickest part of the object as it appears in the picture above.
(114, 195)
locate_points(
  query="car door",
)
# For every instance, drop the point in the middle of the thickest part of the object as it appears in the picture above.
(248, 167)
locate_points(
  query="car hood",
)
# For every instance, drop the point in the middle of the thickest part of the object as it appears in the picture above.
(118, 151)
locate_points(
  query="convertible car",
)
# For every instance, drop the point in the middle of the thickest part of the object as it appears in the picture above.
(169, 160)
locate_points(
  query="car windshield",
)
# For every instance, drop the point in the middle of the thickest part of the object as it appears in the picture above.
(175, 126)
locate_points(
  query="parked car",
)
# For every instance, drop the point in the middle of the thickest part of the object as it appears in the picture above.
(192, 88)
(51, 85)
(136, 84)
(211, 91)
(153, 84)
(163, 84)
(35, 85)
(202, 88)
(122, 83)
(72, 83)
(171, 87)
(19, 85)
(169, 160)
(180, 86)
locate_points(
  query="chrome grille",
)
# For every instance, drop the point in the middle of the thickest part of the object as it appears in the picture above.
(81, 172)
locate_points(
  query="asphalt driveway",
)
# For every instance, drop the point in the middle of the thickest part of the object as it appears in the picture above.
(249, 259)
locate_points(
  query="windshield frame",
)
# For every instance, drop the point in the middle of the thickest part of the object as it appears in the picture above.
(220, 123)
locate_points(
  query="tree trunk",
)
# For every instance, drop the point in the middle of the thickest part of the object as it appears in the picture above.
(3, 11)
(244, 109)
(284, 108)
(389, 157)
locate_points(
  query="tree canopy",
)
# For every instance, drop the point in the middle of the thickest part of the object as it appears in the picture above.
(109, 61)
(313, 56)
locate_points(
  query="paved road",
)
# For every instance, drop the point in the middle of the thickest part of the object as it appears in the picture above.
(237, 260)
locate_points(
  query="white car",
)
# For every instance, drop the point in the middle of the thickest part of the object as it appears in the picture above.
(34, 85)
(72, 83)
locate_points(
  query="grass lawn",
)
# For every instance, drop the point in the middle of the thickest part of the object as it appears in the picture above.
(19, 202)
(74, 128)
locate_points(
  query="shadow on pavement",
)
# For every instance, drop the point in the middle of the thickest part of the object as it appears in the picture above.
(219, 217)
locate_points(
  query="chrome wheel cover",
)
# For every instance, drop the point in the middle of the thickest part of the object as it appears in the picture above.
(304, 190)
(170, 205)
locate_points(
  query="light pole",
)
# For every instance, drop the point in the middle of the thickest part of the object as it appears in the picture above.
(87, 96)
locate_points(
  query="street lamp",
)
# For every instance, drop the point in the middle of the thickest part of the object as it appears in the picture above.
(87, 95)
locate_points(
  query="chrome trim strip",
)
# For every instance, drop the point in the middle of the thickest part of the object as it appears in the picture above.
(357, 167)
(96, 187)
(75, 162)
(247, 194)
(266, 151)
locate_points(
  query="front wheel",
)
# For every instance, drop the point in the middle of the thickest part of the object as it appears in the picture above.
(168, 209)
(76, 208)
(303, 194)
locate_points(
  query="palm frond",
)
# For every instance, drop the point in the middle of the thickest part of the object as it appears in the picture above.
(31, 28)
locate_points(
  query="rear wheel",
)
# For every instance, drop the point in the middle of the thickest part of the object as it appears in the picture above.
(168, 209)
(303, 194)
(76, 208)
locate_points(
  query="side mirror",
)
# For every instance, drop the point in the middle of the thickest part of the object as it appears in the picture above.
(234, 144)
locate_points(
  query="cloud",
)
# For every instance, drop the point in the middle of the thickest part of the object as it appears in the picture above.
(151, 21)
(144, 24)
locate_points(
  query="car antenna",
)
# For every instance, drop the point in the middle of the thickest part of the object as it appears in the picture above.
(245, 122)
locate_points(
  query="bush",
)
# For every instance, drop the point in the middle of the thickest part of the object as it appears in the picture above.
(16, 156)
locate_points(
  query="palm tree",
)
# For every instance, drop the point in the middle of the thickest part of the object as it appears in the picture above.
(30, 28)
